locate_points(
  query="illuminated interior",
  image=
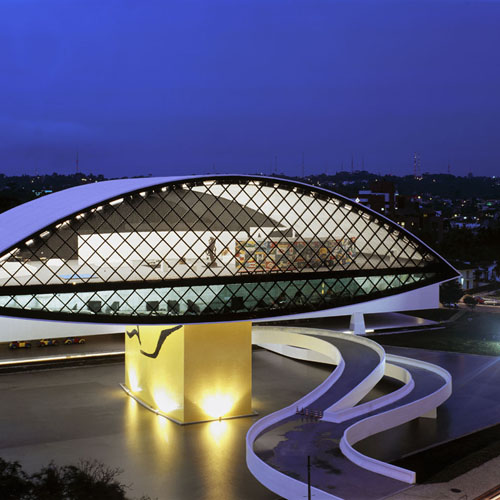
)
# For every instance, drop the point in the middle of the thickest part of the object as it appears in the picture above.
(201, 249)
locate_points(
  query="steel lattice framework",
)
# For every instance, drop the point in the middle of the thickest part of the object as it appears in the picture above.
(210, 249)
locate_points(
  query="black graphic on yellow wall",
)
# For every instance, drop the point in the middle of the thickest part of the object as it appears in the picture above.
(161, 339)
(134, 333)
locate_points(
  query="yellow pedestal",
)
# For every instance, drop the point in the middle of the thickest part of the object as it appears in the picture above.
(191, 373)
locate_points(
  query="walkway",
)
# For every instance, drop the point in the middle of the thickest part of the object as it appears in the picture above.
(286, 444)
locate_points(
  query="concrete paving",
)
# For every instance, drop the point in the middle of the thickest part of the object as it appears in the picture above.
(68, 414)
(465, 487)
(81, 413)
(473, 405)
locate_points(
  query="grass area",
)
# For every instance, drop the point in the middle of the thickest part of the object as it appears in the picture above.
(474, 333)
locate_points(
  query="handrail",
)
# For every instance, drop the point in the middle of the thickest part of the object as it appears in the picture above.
(392, 418)
(341, 415)
(271, 478)
(302, 344)
(391, 370)
(291, 339)
(307, 342)
(358, 392)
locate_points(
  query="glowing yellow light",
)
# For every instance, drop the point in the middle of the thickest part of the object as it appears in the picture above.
(189, 382)
(217, 430)
(217, 405)
(133, 426)
(161, 428)
(163, 401)
(133, 380)
(132, 408)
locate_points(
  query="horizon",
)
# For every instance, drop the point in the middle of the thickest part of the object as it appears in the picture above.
(469, 175)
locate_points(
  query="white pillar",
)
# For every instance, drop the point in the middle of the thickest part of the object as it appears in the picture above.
(357, 325)
(430, 414)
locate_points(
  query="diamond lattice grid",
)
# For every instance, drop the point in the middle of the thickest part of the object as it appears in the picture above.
(212, 229)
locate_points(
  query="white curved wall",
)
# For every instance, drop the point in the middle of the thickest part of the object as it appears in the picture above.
(274, 480)
(289, 349)
(337, 415)
(391, 370)
(32, 329)
(392, 418)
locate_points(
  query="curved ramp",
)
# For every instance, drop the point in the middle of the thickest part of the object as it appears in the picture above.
(278, 444)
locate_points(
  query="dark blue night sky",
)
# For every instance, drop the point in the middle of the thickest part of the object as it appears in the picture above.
(168, 87)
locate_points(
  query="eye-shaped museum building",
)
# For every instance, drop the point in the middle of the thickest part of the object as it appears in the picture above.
(207, 249)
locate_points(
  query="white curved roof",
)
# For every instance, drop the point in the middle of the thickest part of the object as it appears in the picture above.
(20, 222)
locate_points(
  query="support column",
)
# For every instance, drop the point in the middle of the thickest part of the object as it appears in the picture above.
(357, 325)
(430, 414)
(191, 373)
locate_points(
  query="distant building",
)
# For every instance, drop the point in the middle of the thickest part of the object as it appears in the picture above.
(468, 277)
(421, 221)
(381, 196)
(405, 210)
(464, 224)
(41, 192)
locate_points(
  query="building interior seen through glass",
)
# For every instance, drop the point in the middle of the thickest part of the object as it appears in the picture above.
(218, 230)
(216, 299)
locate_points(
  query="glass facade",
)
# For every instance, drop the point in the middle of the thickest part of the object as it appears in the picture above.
(213, 248)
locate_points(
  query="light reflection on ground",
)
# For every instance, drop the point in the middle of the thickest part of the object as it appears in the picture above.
(68, 414)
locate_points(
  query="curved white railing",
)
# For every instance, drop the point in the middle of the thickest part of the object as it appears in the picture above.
(393, 371)
(303, 345)
(306, 344)
(300, 353)
(392, 418)
(341, 415)
(336, 413)
(268, 339)
(271, 478)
